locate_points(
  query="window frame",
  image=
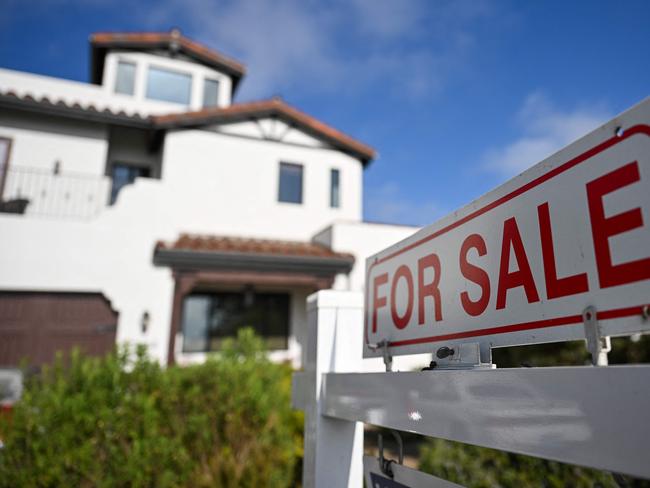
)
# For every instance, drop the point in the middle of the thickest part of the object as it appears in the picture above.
(173, 71)
(336, 204)
(145, 171)
(216, 81)
(302, 182)
(224, 294)
(4, 164)
(117, 73)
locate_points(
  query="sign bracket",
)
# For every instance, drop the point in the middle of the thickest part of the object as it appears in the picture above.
(467, 355)
(388, 358)
(597, 344)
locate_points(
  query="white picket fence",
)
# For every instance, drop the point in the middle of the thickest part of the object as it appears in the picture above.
(589, 416)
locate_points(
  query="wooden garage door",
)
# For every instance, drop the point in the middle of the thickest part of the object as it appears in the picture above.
(34, 325)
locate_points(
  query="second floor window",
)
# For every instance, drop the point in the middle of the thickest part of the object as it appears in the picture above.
(335, 189)
(125, 78)
(169, 86)
(125, 174)
(210, 93)
(290, 183)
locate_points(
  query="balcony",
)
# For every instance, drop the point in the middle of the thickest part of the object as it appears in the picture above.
(43, 193)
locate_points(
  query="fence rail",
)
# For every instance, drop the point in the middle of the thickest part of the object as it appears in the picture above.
(40, 192)
(588, 416)
(538, 412)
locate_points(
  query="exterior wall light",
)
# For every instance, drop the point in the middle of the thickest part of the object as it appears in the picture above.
(144, 322)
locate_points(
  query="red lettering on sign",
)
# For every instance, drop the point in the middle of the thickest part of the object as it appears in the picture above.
(431, 289)
(523, 276)
(378, 301)
(602, 228)
(474, 274)
(402, 272)
(556, 287)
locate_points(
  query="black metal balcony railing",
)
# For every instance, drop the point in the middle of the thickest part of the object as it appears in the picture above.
(40, 192)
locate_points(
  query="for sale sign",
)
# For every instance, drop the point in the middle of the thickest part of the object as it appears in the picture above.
(519, 265)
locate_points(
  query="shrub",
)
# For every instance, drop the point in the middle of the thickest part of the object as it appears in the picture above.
(125, 421)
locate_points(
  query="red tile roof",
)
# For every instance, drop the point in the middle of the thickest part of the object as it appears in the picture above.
(9, 98)
(275, 107)
(221, 244)
(234, 113)
(173, 41)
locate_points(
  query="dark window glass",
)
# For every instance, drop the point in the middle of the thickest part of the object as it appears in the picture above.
(125, 78)
(5, 149)
(210, 318)
(210, 93)
(335, 183)
(290, 183)
(169, 86)
(124, 174)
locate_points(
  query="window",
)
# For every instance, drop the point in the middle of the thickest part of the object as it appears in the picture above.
(210, 93)
(124, 174)
(169, 86)
(5, 150)
(209, 318)
(125, 78)
(290, 183)
(335, 184)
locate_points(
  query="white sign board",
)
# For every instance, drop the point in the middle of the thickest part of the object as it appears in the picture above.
(520, 264)
(402, 477)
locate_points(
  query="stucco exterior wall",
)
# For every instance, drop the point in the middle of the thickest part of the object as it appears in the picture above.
(361, 239)
(234, 186)
(217, 181)
(211, 183)
(40, 141)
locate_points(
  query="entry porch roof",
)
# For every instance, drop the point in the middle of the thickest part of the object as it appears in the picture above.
(201, 252)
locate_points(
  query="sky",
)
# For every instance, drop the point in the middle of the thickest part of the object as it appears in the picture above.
(456, 96)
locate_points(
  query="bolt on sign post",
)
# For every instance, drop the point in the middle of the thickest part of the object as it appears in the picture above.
(532, 260)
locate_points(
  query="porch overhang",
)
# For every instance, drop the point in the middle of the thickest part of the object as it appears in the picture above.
(254, 263)
(219, 253)
(200, 262)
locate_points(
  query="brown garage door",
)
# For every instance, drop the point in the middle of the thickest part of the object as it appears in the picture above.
(34, 325)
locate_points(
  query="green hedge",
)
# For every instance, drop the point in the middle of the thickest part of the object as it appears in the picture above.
(117, 421)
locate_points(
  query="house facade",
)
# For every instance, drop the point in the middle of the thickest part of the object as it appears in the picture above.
(147, 207)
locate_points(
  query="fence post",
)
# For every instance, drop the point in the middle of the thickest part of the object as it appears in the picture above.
(333, 454)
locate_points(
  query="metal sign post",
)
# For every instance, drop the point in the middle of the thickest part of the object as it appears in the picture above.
(400, 477)
(521, 264)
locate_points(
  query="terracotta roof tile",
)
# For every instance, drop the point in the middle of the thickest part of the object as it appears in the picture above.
(44, 103)
(168, 40)
(222, 244)
(237, 112)
(275, 107)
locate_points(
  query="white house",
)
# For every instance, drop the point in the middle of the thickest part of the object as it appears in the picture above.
(148, 207)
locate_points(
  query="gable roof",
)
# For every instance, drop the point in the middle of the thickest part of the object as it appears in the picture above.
(274, 108)
(237, 112)
(173, 41)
